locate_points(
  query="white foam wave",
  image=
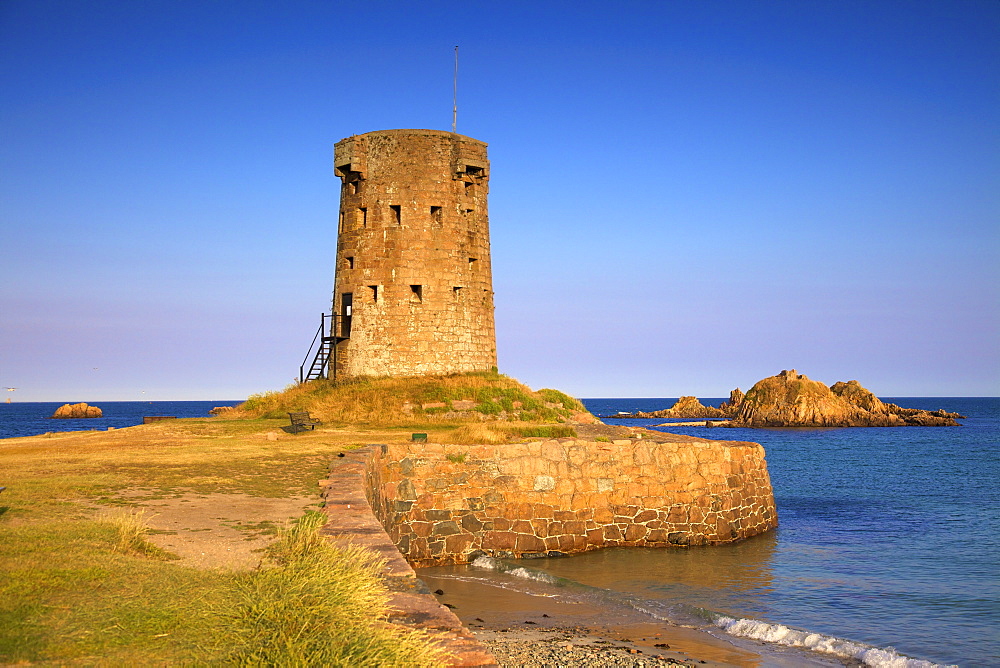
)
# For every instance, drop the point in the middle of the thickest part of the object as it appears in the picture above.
(491, 564)
(817, 642)
(486, 563)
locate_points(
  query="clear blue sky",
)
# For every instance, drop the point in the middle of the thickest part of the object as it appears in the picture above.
(685, 196)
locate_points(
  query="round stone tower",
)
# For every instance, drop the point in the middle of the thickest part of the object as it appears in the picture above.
(413, 286)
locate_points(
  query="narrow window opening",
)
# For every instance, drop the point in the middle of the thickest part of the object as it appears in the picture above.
(350, 262)
(346, 304)
(352, 180)
(416, 293)
(363, 215)
(457, 291)
(397, 213)
(374, 289)
(468, 212)
(472, 263)
(436, 214)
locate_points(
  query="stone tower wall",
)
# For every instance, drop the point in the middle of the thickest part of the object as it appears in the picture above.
(413, 253)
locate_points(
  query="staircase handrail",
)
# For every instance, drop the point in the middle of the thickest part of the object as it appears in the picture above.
(317, 337)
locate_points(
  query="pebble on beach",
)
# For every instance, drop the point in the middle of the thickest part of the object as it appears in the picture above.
(563, 647)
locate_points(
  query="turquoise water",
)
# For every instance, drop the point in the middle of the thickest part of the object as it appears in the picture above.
(29, 418)
(887, 541)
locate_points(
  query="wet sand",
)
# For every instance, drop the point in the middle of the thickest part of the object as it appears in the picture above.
(526, 630)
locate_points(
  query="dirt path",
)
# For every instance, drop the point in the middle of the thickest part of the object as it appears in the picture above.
(220, 530)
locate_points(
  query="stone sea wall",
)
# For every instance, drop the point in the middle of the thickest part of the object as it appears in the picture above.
(449, 503)
(411, 604)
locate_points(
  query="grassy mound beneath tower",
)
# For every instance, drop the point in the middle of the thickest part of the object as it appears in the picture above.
(480, 404)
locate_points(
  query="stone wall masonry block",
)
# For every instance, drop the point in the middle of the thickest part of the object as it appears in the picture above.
(509, 502)
(544, 483)
(642, 455)
(523, 526)
(500, 524)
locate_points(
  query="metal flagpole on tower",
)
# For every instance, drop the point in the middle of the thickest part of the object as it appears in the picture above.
(454, 109)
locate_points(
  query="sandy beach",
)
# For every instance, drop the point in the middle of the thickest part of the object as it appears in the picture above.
(534, 631)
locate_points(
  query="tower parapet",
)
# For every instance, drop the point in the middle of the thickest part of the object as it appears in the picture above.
(413, 286)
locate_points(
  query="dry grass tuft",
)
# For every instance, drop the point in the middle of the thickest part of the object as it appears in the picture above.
(321, 605)
(130, 530)
(495, 433)
(486, 433)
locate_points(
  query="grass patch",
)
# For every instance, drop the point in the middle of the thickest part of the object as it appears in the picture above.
(545, 431)
(69, 595)
(130, 532)
(82, 583)
(557, 397)
(493, 433)
(395, 402)
(321, 605)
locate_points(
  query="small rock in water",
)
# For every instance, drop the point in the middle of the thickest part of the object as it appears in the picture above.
(76, 411)
(439, 592)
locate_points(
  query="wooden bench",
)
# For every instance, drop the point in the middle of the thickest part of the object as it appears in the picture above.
(301, 420)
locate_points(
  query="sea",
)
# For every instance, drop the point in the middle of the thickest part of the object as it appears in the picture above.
(887, 551)
(30, 418)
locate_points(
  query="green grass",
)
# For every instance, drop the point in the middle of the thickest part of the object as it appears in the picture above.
(69, 595)
(82, 584)
(321, 605)
(380, 401)
(545, 431)
(130, 530)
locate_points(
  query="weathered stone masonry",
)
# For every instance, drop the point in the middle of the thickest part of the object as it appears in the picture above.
(413, 283)
(448, 503)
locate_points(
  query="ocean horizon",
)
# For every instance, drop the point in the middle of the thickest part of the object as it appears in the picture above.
(31, 418)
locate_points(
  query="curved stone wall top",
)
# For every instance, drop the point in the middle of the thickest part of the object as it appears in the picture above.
(417, 131)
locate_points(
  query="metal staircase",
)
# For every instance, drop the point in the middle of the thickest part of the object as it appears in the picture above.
(327, 346)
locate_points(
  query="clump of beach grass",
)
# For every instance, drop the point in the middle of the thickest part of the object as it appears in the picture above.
(318, 604)
(130, 530)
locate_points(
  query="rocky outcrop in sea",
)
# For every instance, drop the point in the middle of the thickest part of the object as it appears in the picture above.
(691, 408)
(76, 411)
(791, 399)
